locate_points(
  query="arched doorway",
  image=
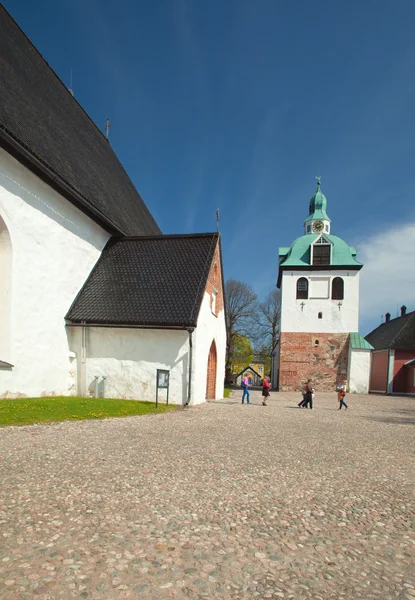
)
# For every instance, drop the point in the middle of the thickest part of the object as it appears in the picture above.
(211, 373)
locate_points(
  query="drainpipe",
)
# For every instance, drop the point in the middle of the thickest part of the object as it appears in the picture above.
(83, 360)
(104, 379)
(189, 387)
(96, 377)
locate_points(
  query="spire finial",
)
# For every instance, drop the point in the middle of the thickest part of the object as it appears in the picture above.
(318, 180)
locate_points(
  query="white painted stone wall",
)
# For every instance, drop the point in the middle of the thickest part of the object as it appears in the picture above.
(129, 359)
(54, 248)
(209, 327)
(305, 319)
(359, 370)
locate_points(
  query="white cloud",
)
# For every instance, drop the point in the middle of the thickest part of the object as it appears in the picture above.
(388, 275)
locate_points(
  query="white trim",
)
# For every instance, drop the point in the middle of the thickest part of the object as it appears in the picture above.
(391, 365)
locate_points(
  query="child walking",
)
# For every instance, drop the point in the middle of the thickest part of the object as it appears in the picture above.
(341, 391)
(265, 390)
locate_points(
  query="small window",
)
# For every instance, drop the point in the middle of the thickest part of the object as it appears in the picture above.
(214, 294)
(327, 228)
(321, 254)
(302, 289)
(320, 315)
(308, 228)
(337, 289)
(259, 369)
(317, 343)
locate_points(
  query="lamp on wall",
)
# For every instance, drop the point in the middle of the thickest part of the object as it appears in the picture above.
(340, 305)
(302, 306)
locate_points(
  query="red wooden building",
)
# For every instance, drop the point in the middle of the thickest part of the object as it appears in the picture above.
(393, 358)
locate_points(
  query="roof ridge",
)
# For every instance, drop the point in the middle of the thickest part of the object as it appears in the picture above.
(410, 316)
(162, 236)
(51, 69)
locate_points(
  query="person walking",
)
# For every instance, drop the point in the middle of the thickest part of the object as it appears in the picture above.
(309, 394)
(302, 404)
(245, 387)
(341, 394)
(265, 390)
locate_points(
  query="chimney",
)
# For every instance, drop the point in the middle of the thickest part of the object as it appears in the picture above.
(387, 317)
(403, 310)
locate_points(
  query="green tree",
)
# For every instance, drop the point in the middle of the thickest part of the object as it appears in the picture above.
(242, 350)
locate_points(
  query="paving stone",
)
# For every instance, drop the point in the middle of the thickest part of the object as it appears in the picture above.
(216, 501)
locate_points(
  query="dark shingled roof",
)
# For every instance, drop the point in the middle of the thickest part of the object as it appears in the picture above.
(44, 127)
(150, 281)
(398, 333)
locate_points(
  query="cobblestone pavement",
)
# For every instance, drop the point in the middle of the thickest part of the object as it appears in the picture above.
(217, 501)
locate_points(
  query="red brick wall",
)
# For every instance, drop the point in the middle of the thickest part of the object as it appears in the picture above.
(400, 372)
(379, 371)
(324, 363)
(215, 280)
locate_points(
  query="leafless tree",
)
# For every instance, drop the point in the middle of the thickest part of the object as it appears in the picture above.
(241, 306)
(267, 329)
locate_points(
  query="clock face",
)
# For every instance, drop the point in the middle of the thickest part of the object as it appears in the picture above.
(318, 226)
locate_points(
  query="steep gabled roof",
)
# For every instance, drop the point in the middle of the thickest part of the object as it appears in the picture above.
(398, 333)
(149, 281)
(45, 128)
(248, 368)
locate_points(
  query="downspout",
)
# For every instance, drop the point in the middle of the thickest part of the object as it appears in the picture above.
(83, 360)
(189, 387)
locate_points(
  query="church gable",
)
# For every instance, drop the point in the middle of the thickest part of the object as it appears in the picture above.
(214, 285)
(44, 128)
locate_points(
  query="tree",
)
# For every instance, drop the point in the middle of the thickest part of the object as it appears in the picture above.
(242, 350)
(267, 330)
(241, 305)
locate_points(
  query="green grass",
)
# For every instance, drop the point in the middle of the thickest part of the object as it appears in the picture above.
(26, 411)
(227, 392)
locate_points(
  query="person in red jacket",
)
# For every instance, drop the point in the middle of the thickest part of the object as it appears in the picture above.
(265, 390)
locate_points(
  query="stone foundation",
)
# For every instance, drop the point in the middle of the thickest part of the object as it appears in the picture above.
(321, 357)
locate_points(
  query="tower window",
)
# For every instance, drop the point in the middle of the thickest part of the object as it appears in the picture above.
(302, 289)
(317, 343)
(337, 289)
(320, 315)
(321, 254)
(308, 228)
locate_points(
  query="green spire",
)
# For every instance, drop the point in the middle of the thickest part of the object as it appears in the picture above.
(318, 204)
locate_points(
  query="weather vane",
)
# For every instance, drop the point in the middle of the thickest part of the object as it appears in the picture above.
(318, 179)
(217, 219)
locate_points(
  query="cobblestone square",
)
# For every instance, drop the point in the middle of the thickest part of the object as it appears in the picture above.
(216, 501)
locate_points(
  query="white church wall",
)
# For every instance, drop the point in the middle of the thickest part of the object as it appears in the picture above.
(54, 248)
(129, 359)
(359, 370)
(6, 263)
(209, 327)
(302, 315)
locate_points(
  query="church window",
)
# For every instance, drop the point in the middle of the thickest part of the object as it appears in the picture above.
(317, 343)
(327, 227)
(320, 315)
(337, 289)
(308, 228)
(213, 307)
(321, 254)
(302, 289)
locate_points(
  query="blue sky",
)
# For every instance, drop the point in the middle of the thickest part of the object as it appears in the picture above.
(237, 105)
